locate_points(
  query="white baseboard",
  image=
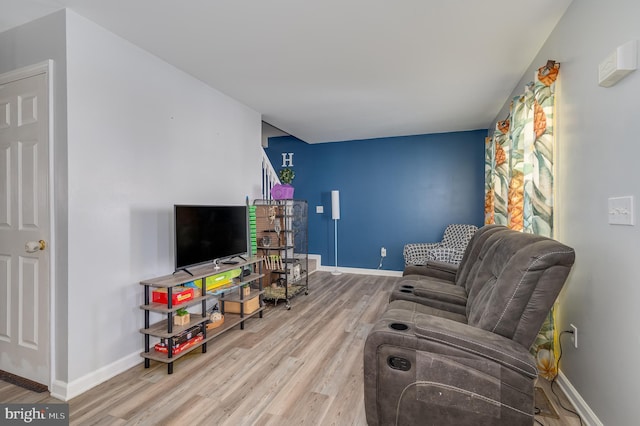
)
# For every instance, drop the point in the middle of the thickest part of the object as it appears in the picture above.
(361, 271)
(66, 391)
(589, 418)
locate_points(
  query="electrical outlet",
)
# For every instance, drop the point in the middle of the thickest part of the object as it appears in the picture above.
(574, 336)
(383, 252)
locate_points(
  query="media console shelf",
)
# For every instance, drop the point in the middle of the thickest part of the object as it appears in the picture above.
(166, 329)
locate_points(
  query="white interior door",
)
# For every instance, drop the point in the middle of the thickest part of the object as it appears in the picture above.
(24, 227)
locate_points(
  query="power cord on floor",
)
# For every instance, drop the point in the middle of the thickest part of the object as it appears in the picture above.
(556, 376)
(537, 411)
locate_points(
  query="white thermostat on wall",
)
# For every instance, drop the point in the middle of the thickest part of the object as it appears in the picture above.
(618, 64)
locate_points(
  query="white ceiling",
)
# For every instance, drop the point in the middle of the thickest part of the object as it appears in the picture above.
(332, 70)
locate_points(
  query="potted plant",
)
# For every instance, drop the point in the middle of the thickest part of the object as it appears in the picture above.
(181, 317)
(245, 290)
(284, 191)
(286, 175)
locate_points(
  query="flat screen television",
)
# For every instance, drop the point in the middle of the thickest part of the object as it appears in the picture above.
(206, 233)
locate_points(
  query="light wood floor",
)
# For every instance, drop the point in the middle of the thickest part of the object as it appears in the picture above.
(302, 366)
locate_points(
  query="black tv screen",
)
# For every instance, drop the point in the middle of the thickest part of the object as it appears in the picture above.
(207, 233)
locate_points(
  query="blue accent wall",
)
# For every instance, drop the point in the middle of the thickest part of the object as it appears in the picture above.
(393, 191)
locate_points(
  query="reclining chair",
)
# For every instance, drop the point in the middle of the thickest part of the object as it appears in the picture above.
(471, 366)
(449, 250)
(455, 274)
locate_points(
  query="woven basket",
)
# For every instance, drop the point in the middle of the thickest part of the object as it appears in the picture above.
(215, 324)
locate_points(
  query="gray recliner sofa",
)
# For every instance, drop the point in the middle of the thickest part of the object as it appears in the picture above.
(431, 283)
(457, 353)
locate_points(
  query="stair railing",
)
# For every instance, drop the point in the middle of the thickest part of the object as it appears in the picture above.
(269, 176)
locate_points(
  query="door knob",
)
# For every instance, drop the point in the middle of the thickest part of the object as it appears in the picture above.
(34, 246)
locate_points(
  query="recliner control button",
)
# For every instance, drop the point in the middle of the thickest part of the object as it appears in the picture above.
(398, 363)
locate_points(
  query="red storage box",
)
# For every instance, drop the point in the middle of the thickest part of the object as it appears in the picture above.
(179, 295)
(162, 347)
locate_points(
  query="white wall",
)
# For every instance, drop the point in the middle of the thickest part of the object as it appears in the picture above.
(598, 151)
(143, 136)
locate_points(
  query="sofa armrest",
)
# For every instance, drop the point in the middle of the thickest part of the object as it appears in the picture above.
(417, 253)
(477, 341)
(446, 254)
(423, 368)
(432, 269)
(443, 267)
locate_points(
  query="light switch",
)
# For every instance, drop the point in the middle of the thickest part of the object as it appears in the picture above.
(621, 210)
(319, 209)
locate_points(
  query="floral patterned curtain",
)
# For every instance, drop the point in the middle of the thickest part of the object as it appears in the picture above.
(519, 181)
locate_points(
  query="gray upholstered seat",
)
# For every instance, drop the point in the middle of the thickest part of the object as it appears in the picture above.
(431, 284)
(432, 365)
(456, 273)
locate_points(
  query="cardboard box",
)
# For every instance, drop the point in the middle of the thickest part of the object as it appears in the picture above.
(181, 319)
(250, 306)
(179, 295)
